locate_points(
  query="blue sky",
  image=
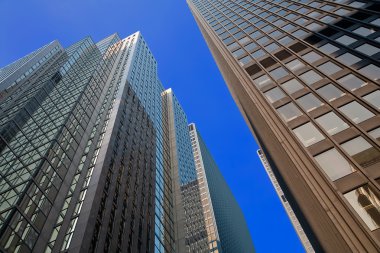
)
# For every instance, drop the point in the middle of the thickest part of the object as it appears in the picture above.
(186, 65)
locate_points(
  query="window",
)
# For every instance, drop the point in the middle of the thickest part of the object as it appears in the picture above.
(299, 33)
(334, 164)
(308, 134)
(376, 22)
(310, 77)
(288, 27)
(346, 40)
(356, 4)
(348, 59)
(262, 81)
(362, 151)
(257, 54)
(332, 123)
(329, 68)
(238, 53)
(274, 95)
(363, 31)
(295, 65)
(365, 203)
(351, 82)
(356, 112)
(314, 27)
(328, 48)
(285, 40)
(328, 19)
(371, 71)
(271, 47)
(278, 73)
(375, 133)
(289, 112)
(262, 40)
(330, 92)
(373, 98)
(368, 49)
(309, 102)
(250, 46)
(301, 21)
(292, 86)
(245, 60)
(311, 57)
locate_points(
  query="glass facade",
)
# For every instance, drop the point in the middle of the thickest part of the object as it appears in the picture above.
(227, 230)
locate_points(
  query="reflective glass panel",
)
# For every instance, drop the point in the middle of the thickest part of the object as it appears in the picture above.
(374, 98)
(274, 95)
(330, 92)
(289, 112)
(332, 123)
(308, 134)
(362, 151)
(309, 102)
(356, 112)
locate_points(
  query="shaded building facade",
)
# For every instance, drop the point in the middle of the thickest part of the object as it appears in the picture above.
(84, 151)
(305, 76)
(226, 228)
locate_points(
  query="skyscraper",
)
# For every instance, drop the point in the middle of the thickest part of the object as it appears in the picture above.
(226, 229)
(95, 155)
(84, 156)
(293, 218)
(305, 76)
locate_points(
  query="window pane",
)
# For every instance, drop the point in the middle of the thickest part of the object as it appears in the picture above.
(346, 40)
(289, 112)
(292, 86)
(278, 73)
(262, 81)
(328, 48)
(362, 151)
(366, 204)
(274, 94)
(375, 133)
(374, 98)
(329, 68)
(371, 71)
(332, 123)
(309, 102)
(311, 57)
(363, 31)
(310, 77)
(368, 49)
(351, 82)
(356, 112)
(334, 164)
(330, 92)
(295, 65)
(348, 59)
(308, 134)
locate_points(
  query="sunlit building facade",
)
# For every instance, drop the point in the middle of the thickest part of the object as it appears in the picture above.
(305, 76)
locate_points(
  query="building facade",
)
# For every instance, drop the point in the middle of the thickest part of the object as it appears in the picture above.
(305, 76)
(226, 228)
(289, 210)
(95, 155)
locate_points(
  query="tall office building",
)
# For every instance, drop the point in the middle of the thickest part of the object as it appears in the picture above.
(84, 152)
(293, 218)
(305, 76)
(95, 155)
(226, 229)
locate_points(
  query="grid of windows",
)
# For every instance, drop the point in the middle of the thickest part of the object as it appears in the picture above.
(316, 63)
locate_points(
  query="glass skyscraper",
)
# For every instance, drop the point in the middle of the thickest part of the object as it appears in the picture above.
(226, 229)
(95, 155)
(305, 76)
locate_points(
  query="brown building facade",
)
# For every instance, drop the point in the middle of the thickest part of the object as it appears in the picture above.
(305, 76)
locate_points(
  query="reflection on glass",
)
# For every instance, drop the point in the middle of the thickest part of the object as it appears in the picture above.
(351, 82)
(309, 102)
(373, 98)
(274, 95)
(371, 71)
(375, 133)
(295, 65)
(310, 77)
(262, 81)
(334, 164)
(292, 86)
(330, 92)
(356, 112)
(332, 123)
(308, 134)
(362, 151)
(289, 112)
(366, 204)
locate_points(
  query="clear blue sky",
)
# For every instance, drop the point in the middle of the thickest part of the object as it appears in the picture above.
(186, 65)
